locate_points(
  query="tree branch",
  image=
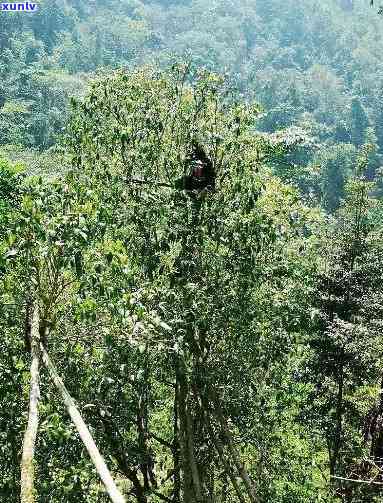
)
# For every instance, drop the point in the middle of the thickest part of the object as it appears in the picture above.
(161, 441)
(29, 444)
(357, 481)
(161, 496)
(83, 431)
(149, 182)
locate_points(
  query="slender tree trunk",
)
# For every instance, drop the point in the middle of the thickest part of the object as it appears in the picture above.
(225, 463)
(139, 491)
(186, 479)
(176, 451)
(28, 492)
(234, 454)
(339, 424)
(192, 491)
(117, 444)
(376, 450)
(191, 448)
(146, 462)
(83, 431)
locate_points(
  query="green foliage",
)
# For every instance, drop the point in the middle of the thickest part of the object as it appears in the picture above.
(345, 343)
(204, 284)
(315, 65)
(254, 308)
(337, 163)
(10, 192)
(359, 123)
(166, 254)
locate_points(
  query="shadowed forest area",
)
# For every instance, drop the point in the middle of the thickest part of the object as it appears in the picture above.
(191, 252)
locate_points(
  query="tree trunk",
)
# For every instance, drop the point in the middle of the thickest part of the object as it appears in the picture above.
(82, 429)
(225, 463)
(191, 448)
(176, 451)
(27, 481)
(186, 479)
(334, 458)
(146, 461)
(234, 454)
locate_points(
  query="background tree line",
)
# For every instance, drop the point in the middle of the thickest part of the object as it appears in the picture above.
(319, 70)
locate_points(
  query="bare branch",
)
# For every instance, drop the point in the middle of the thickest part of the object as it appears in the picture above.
(27, 481)
(83, 431)
(358, 481)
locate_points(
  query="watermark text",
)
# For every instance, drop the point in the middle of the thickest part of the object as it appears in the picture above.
(18, 7)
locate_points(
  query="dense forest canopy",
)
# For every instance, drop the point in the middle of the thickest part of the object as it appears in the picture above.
(191, 252)
(314, 65)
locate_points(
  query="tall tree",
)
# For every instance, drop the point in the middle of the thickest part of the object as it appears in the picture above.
(359, 122)
(345, 346)
(196, 256)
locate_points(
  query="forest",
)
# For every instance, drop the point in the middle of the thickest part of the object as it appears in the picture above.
(191, 251)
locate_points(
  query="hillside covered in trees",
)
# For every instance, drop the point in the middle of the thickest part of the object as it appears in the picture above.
(191, 252)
